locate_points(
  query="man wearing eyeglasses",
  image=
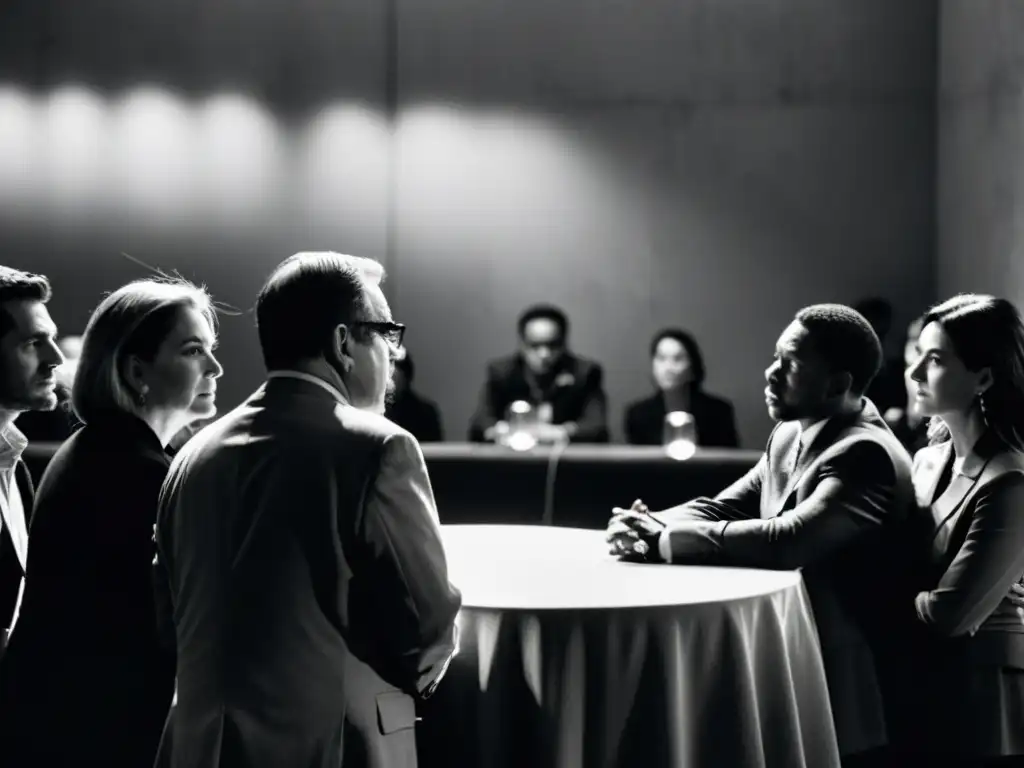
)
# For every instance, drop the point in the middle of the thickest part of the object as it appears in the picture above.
(299, 544)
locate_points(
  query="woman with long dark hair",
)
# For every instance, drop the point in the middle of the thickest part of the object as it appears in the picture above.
(677, 370)
(969, 379)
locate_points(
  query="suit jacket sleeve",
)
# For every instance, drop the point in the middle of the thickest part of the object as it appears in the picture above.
(592, 425)
(856, 489)
(489, 408)
(631, 425)
(740, 501)
(989, 561)
(412, 601)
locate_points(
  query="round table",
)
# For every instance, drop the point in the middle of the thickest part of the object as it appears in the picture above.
(570, 658)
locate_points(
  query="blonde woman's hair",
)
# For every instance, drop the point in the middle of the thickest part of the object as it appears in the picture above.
(132, 321)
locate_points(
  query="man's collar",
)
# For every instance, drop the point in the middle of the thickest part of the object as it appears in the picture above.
(310, 378)
(12, 444)
(807, 435)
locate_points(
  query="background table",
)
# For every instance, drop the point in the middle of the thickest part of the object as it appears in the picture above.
(575, 487)
(571, 659)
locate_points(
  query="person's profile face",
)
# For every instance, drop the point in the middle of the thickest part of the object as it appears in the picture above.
(671, 365)
(941, 382)
(182, 376)
(542, 345)
(798, 378)
(29, 357)
(370, 381)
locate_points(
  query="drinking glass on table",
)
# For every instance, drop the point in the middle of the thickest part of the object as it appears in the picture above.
(522, 420)
(679, 435)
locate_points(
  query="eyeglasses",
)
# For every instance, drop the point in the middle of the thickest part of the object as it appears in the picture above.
(392, 333)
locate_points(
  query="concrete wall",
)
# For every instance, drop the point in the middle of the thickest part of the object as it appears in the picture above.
(715, 165)
(980, 201)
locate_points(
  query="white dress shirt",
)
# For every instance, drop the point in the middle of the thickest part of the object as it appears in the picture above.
(12, 508)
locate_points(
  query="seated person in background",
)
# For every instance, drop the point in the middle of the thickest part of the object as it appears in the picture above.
(887, 389)
(407, 408)
(564, 390)
(57, 425)
(908, 424)
(825, 497)
(677, 367)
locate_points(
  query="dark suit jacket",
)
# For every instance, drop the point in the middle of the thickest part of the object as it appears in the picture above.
(417, 415)
(11, 571)
(714, 417)
(974, 539)
(85, 679)
(576, 395)
(311, 603)
(827, 517)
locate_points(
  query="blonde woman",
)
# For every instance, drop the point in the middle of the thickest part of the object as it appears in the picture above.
(88, 682)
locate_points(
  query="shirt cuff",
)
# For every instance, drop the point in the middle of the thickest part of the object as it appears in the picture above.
(665, 546)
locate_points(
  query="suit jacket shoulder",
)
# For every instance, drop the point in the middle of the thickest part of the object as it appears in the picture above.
(585, 367)
(502, 367)
(714, 403)
(644, 409)
(23, 478)
(372, 425)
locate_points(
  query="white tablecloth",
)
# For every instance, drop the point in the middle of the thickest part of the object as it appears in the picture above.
(571, 658)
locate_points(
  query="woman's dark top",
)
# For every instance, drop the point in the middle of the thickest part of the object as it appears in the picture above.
(714, 418)
(85, 680)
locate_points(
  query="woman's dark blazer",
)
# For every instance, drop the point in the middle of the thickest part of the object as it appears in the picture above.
(973, 645)
(714, 417)
(85, 680)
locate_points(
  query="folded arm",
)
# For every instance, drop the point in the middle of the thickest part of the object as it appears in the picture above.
(988, 563)
(740, 501)
(855, 492)
(412, 602)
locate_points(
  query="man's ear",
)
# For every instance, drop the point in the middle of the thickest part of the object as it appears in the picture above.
(839, 384)
(341, 341)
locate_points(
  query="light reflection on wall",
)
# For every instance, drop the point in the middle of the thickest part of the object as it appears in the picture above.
(468, 174)
(154, 163)
(74, 135)
(20, 188)
(241, 157)
(342, 163)
(165, 162)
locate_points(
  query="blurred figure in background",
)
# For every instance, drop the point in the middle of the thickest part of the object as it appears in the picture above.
(85, 679)
(888, 389)
(908, 424)
(57, 425)
(407, 408)
(677, 368)
(564, 390)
